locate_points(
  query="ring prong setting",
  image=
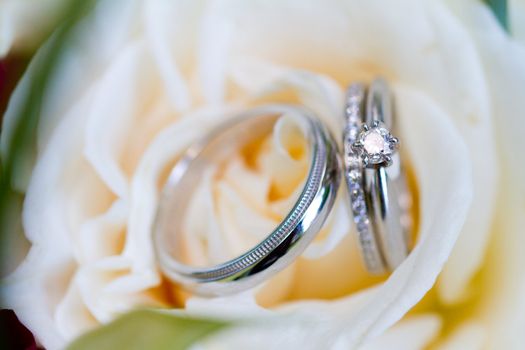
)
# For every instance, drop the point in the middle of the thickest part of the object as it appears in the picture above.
(375, 145)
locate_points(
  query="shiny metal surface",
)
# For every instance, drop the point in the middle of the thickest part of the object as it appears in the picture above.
(281, 246)
(353, 170)
(378, 194)
(386, 186)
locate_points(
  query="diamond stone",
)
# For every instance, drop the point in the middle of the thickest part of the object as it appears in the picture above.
(375, 145)
(361, 222)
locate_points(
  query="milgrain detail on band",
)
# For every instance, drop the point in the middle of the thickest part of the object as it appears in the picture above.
(237, 266)
(354, 179)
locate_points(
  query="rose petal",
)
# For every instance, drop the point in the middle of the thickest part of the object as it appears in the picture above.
(214, 42)
(472, 117)
(196, 230)
(72, 315)
(242, 227)
(158, 37)
(411, 333)
(469, 336)
(113, 116)
(319, 93)
(503, 306)
(103, 235)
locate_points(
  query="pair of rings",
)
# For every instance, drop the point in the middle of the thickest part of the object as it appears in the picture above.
(375, 179)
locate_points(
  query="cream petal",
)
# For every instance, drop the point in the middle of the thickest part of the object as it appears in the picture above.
(242, 305)
(242, 226)
(36, 288)
(283, 159)
(196, 231)
(277, 288)
(103, 235)
(173, 32)
(53, 193)
(108, 288)
(469, 335)
(112, 115)
(282, 206)
(503, 307)
(472, 117)
(317, 92)
(288, 132)
(412, 333)
(341, 45)
(215, 38)
(158, 36)
(252, 185)
(72, 316)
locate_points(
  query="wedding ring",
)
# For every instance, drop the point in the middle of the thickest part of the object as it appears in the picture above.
(284, 243)
(375, 178)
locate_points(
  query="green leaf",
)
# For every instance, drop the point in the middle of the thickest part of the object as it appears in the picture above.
(500, 10)
(147, 330)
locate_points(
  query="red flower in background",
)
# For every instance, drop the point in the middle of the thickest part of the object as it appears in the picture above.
(14, 335)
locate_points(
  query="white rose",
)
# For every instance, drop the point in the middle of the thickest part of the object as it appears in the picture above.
(146, 79)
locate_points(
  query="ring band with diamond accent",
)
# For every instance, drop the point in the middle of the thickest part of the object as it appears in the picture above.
(375, 178)
(282, 245)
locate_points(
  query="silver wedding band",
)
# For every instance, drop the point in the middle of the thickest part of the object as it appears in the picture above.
(378, 193)
(281, 246)
(375, 178)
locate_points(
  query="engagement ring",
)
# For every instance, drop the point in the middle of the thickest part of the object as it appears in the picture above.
(375, 177)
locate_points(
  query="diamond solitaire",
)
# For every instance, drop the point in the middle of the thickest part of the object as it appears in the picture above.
(375, 145)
